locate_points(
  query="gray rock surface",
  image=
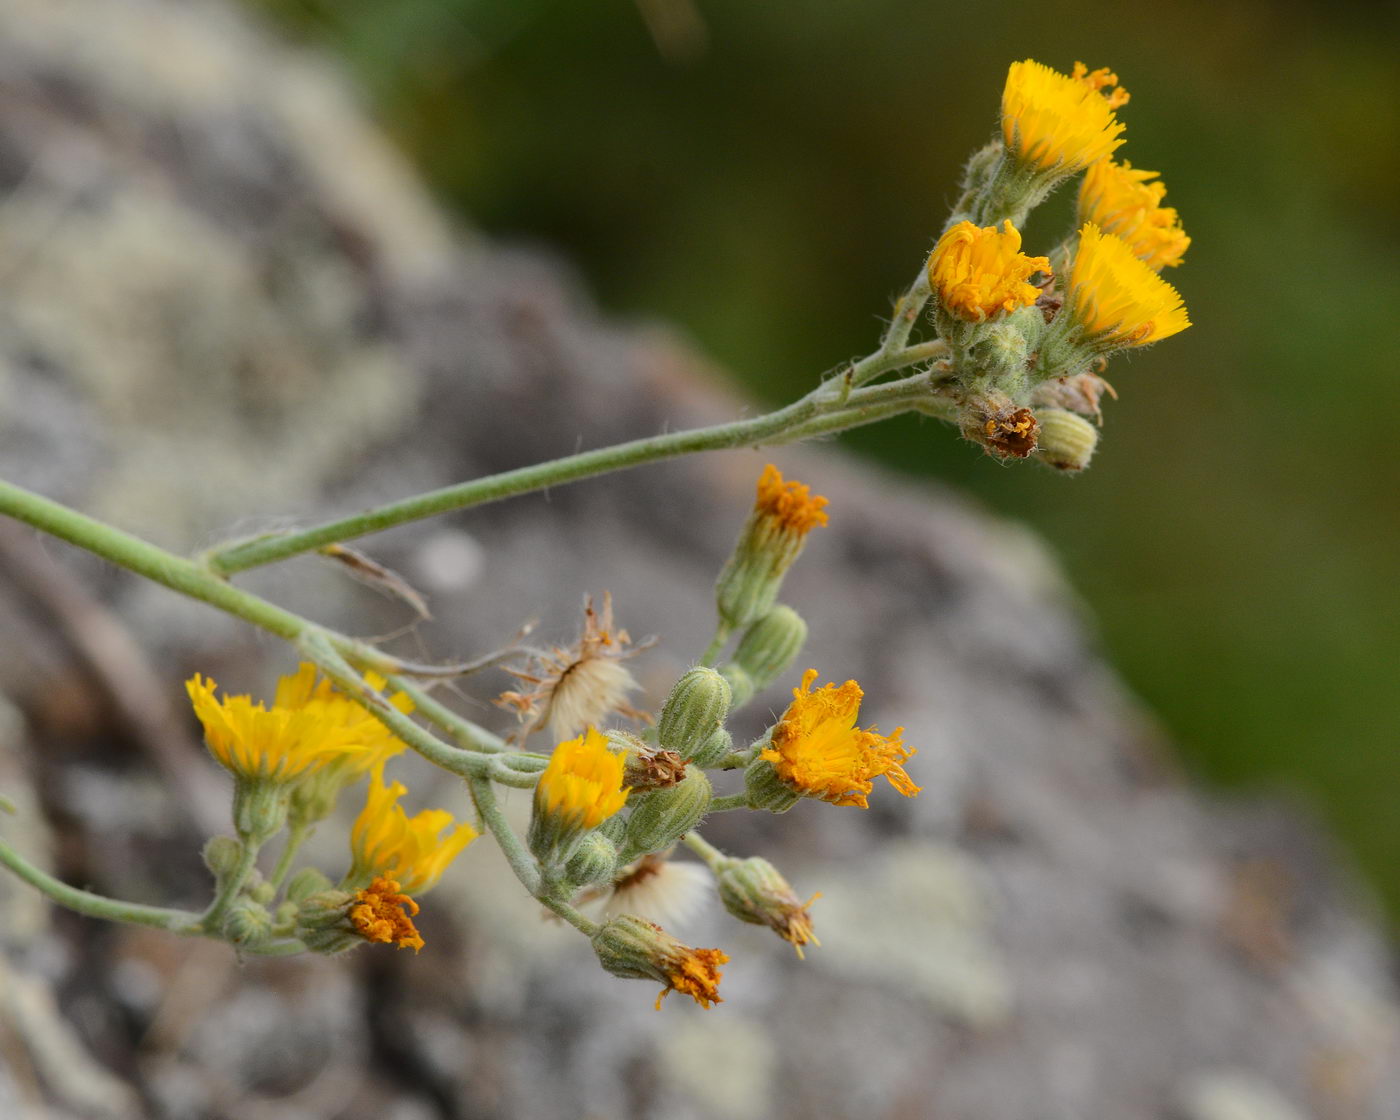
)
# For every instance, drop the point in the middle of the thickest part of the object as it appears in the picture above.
(225, 303)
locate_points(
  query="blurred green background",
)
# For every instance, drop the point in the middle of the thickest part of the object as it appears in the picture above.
(769, 175)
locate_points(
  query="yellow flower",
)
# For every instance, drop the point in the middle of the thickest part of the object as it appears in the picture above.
(1115, 298)
(290, 739)
(789, 507)
(977, 273)
(388, 843)
(771, 540)
(1125, 202)
(818, 751)
(382, 913)
(1060, 123)
(582, 786)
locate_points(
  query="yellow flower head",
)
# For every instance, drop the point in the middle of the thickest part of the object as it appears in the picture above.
(382, 913)
(818, 751)
(977, 273)
(378, 744)
(290, 739)
(387, 843)
(1060, 123)
(582, 786)
(788, 507)
(1118, 300)
(1124, 201)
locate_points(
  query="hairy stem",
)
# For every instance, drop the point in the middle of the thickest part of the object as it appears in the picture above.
(521, 862)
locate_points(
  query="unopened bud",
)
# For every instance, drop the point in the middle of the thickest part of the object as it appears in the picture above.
(222, 855)
(770, 646)
(594, 861)
(754, 891)
(259, 808)
(694, 711)
(305, 883)
(766, 790)
(740, 685)
(1067, 441)
(665, 815)
(247, 924)
(713, 750)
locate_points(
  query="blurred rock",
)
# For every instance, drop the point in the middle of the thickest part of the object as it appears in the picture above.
(226, 307)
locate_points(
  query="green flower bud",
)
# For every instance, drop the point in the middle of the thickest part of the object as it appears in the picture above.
(770, 646)
(665, 815)
(740, 685)
(694, 710)
(594, 861)
(323, 922)
(713, 750)
(262, 892)
(222, 855)
(766, 790)
(306, 882)
(754, 891)
(247, 924)
(1067, 441)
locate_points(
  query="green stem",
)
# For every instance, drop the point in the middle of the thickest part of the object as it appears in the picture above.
(269, 548)
(229, 888)
(906, 314)
(583, 924)
(316, 648)
(296, 837)
(729, 801)
(96, 905)
(717, 643)
(467, 734)
(521, 862)
(704, 849)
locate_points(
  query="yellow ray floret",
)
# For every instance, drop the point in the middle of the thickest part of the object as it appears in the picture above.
(790, 506)
(818, 750)
(977, 273)
(302, 690)
(1116, 298)
(280, 743)
(582, 786)
(1124, 201)
(382, 913)
(1058, 122)
(414, 851)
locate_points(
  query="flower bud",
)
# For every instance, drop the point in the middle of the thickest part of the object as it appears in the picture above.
(741, 685)
(713, 750)
(1067, 441)
(306, 882)
(222, 855)
(665, 815)
(694, 710)
(594, 861)
(754, 891)
(634, 949)
(770, 646)
(247, 924)
(766, 790)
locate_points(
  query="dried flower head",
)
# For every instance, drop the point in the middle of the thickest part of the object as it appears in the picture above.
(818, 751)
(1115, 299)
(977, 273)
(414, 851)
(1124, 201)
(635, 949)
(1060, 123)
(659, 890)
(755, 891)
(578, 686)
(298, 734)
(382, 913)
